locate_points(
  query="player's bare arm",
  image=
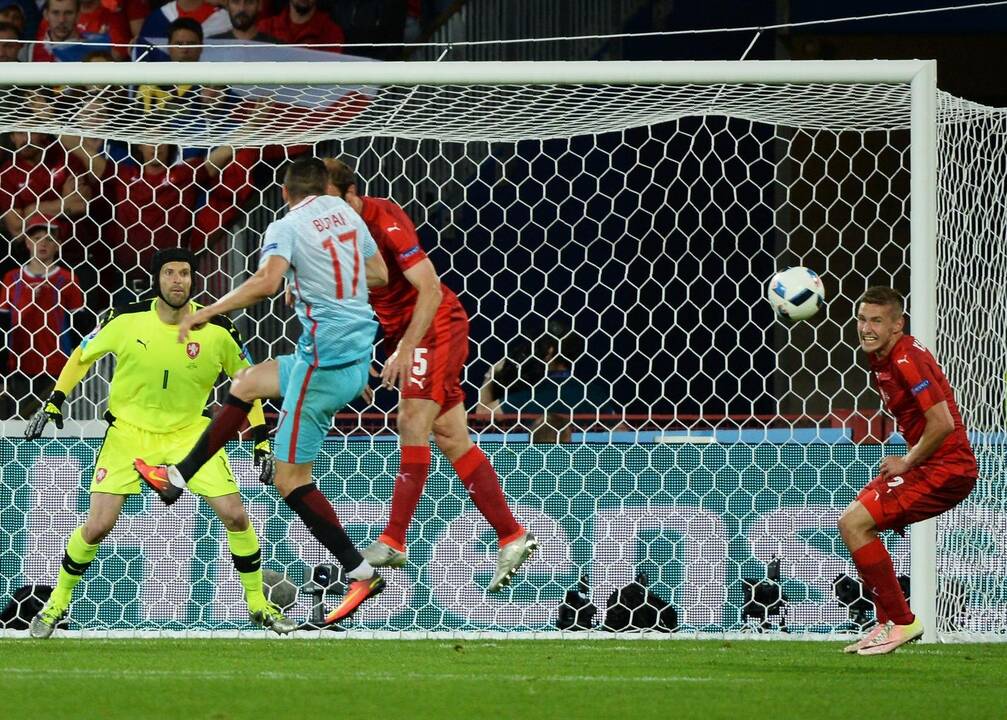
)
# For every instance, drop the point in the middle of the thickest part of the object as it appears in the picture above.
(424, 278)
(217, 160)
(263, 284)
(376, 271)
(939, 425)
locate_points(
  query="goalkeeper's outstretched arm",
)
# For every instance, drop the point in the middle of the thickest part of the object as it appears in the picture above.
(72, 373)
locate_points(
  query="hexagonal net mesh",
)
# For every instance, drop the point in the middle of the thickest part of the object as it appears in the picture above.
(645, 412)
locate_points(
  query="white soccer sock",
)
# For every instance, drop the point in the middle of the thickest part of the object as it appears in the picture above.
(175, 477)
(363, 571)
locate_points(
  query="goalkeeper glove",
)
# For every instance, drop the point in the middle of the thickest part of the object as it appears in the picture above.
(51, 410)
(262, 454)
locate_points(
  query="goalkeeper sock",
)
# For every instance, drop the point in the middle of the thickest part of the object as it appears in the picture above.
(315, 510)
(483, 486)
(224, 427)
(414, 467)
(247, 558)
(76, 560)
(876, 570)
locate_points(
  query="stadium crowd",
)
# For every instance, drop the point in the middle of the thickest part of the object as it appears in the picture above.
(70, 207)
(82, 217)
(70, 30)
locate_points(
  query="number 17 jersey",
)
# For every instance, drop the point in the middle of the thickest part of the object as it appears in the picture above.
(326, 244)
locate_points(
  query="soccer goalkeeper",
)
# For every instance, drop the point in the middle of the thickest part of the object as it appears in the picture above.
(155, 406)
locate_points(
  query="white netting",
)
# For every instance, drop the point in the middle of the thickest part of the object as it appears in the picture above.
(703, 439)
(972, 317)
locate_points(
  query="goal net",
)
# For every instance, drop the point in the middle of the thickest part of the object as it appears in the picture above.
(610, 233)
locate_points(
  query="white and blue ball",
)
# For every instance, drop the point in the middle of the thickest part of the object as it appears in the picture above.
(796, 294)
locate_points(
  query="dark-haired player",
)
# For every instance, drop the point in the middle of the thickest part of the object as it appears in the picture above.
(155, 408)
(427, 341)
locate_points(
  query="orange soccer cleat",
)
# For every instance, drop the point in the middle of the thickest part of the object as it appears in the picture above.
(156, 476)
(356, 593)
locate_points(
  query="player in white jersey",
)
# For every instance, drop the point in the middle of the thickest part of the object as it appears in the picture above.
(324, 250)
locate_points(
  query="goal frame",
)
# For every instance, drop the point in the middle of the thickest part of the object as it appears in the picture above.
(920, 75)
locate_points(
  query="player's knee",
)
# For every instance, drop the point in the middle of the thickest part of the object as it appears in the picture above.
(852, 523)
(453, 444)
(287, 479)
(235, 520)
(242, 385)
(412, 428)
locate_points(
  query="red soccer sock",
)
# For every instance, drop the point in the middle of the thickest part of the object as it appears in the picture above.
(483, 486)
(224, 426)
(414, 466)
(876, 570)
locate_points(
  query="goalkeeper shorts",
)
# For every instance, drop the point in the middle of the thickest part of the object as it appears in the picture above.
(114, 473)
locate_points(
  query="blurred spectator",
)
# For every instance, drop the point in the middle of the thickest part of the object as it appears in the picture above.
(244, 16)
(211, 18)
(59, 25)
(38, 300)
(193, 106)
(97, 19)
(154, 201)
(135, 12)
(185, 40)
(302, 23)
(96, 22)
(13, 13)
(188, 109)
(185, 37)
(39, 176)
(9, 45)
(538, 379)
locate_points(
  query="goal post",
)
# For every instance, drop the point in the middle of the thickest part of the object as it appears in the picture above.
(923, 291)
(646, 203)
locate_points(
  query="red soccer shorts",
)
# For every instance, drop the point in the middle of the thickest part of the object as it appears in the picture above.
(917, 494)
(439, 359)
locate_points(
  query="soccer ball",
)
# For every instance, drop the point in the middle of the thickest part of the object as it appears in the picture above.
(278, 589)
(796, 294)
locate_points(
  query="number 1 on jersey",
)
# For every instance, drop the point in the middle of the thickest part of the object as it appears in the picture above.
(330, 245)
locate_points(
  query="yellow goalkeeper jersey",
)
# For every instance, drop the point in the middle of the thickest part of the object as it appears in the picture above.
(160, 384)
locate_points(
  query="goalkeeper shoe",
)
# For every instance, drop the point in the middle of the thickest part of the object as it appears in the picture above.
(380, 554)
(867, 638)
(511, 557)
(269, 616)
(896, 637)
(156, 476)
(43, 624)
(356, 593)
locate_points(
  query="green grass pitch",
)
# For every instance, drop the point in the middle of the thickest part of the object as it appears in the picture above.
(222, 679)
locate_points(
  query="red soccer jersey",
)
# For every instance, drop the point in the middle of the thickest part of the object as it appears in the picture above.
(23, 183)
(40, 308)
(100, 21)
(395, 235)
(911, 382)
(320, 29)
(153, 210)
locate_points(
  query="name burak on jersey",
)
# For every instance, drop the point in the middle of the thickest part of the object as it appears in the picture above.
(327, 223)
